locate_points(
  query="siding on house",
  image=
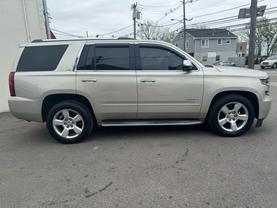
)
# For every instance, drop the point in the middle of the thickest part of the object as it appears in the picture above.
(207, 55)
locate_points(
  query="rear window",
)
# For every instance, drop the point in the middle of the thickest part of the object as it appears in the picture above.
(41, 58)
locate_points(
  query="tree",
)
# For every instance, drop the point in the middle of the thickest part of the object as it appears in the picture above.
(266, 36)
(152, 31)
(269, 36)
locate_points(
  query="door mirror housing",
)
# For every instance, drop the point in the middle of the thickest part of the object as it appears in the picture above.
(187, 65)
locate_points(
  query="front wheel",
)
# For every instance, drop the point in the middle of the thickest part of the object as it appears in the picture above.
(231, 115)
(69, 122)
(274, 66)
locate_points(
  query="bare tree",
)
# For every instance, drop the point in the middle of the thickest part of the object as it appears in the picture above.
(152, 31)
(269, 36)
(266, 36)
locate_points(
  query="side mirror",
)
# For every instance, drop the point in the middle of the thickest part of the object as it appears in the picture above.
(187, 65)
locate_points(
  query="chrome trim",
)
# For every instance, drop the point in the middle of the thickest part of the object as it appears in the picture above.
(150, 123)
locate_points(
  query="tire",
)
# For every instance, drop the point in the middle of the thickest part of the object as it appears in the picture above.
(262, 67)
(69, 122)
(274, 66)
(235, 122)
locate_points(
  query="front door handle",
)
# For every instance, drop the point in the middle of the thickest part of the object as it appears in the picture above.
(89, 80)
(148, 81)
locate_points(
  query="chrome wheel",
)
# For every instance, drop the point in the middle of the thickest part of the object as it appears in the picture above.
(68, 123)
(233, 116)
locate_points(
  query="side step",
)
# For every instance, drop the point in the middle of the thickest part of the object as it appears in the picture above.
(150, 123)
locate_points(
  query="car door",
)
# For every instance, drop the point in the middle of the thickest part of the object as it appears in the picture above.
(106, 75)
(165, 90)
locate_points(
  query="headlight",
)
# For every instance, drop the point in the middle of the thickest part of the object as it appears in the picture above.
(265, 81)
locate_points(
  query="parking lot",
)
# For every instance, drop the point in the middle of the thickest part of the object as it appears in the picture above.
(139, 167)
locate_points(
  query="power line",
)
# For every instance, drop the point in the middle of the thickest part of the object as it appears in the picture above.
(222, 11)
(229, 18)
(66, 33)
(116, 31)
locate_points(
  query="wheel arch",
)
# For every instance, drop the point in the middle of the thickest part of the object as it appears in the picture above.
(50, 100)
(252, 97)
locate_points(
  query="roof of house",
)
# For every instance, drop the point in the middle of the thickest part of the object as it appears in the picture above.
(209, 33)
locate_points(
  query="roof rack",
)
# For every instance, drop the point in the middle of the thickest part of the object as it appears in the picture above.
(79, 39)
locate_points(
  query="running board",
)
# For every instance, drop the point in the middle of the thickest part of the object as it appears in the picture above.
(151, 123)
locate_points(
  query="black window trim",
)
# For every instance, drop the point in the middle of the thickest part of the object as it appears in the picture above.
(93, 46)
(138, 58)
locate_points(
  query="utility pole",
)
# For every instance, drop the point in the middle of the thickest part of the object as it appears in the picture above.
(135, 15)
(252, 38)
(46, 17)
(184, 23)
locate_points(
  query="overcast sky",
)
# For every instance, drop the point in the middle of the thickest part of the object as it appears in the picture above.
(99, 17)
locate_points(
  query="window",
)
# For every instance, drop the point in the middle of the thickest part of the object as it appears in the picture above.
(41, 58)
(187, 44)
(217, 58)
(112, 58)
(228, 41)
(86, 61)
(204, 58)
(154, 58)
(104, 58)
(204, 43)
(219, 41)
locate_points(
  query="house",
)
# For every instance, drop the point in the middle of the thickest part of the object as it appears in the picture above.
(21, 21)
(208, 45)
(242, 49)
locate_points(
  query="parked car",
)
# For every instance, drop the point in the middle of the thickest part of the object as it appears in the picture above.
(224, 63)
(270, 62)
(76, 85)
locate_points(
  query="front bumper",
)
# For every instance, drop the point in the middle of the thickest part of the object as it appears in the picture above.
(266, 65)
(265, 106)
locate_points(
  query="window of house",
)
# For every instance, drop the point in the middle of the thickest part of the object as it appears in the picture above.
(204, 43)
(217, 58)
(228, 41)
(187, 44)
(156, 58)
(219, 41)
(204, 58)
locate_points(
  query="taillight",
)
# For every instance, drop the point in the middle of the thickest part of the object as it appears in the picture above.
(11, 84)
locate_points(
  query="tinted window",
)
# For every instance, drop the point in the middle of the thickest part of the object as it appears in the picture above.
(112, 58)
(152, 58)
(86, 61)
(41, 58)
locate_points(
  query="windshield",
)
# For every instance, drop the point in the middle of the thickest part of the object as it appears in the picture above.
(272, 57)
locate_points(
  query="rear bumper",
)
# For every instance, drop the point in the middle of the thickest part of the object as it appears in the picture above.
(25, 109)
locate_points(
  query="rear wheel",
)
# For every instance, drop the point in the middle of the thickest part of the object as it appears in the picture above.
(69, 122)
(274, 66)
(231, 115)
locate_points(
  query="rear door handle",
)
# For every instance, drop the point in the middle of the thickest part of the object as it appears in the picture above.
(148, 81)
(89, 80)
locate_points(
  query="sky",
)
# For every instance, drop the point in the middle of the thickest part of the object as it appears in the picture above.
(105, 17)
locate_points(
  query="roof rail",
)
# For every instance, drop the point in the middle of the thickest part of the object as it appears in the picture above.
(78, 39)
(37, 41)
(125, 38)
